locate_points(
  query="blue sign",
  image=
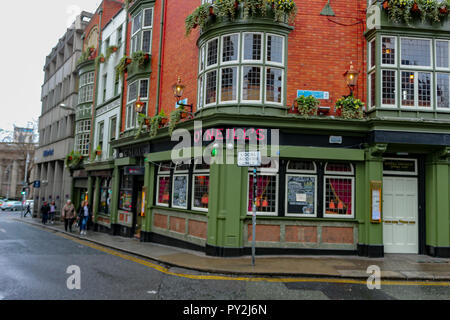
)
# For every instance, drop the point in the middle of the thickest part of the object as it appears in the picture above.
(49, 153)
(37, 184)
(185, 101)
(321, 95)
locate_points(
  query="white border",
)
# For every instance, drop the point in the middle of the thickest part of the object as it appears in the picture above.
(338, 216)
(199, 174)
(173, 189)
(224, 63)
(343, 173)
(416, 91)
(282, 64)
(157, 189)
(402, 173)
(217, 54)
(282, 86)
(237, 85)
(435, 91)
(205, 82)
(300, 171)
(396, 54)
(260, 61)
(250, 180)
(315, 196)
(435, 55)
(261, 84)
(395, 105)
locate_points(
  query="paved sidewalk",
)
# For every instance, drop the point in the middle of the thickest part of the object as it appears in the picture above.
(393, 266)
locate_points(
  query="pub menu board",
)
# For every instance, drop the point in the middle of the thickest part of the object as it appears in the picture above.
(179, 198)
(301, 194)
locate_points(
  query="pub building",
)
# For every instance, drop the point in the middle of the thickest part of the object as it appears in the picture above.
(362, 186)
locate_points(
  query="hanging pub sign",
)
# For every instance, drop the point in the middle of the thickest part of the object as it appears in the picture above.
(134, 171)
(376, 201)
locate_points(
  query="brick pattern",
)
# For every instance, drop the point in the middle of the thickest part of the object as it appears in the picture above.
(198, 229)
(301, 234)
(337, 235)
(160, 221)
(268, 233)
(177, 225)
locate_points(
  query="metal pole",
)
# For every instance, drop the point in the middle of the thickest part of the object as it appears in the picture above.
(254, 217)
(25, 183)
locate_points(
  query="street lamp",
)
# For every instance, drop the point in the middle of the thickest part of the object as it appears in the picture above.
(139, 105)
(178, 90)
(351, 76)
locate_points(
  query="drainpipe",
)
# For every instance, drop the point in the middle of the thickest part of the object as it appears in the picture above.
(97, 71)
(160, 55)
(123, 78)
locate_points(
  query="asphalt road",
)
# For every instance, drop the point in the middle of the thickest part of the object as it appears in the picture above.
(34, 264)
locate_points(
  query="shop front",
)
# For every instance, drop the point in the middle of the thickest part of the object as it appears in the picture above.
(100, 194)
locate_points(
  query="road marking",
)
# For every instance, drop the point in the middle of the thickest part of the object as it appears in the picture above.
(243, 278)
(152, 292)
(3, 230)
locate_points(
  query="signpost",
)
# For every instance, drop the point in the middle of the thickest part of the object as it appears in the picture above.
(251, 159)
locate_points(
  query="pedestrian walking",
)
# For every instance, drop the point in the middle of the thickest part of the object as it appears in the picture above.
(68, 214)
(28, 210)
(52, 213)
(45, 209)
(83, 217)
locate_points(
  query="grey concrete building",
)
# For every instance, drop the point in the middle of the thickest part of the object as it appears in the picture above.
(56, 123)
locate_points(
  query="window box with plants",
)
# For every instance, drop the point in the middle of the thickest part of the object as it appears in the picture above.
(73, 160)
(409, 11)
(98, 151)
(307, 106)
(350, 107)
(110, 50)
(121, 68)
(176, 116)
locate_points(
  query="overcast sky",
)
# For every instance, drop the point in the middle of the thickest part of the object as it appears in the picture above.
(29, 31)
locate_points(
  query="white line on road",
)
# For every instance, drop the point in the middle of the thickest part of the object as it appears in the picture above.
(3, 230)
(152, 292)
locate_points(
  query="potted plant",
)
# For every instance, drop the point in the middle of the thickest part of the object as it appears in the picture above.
(226, 8)
(110, 50)
(164, 120)
(73, 159)
(99, 59)
(198, 18)
(98, 151)
(385, 4)
(350, 108)
(175, 117)
(307, 106)
(155, 123)
(141, 58)
(121, 67)
(284, 8)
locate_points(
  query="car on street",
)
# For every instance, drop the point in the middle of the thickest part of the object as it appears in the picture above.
(11, 206)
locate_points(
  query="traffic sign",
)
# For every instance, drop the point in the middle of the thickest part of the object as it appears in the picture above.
(249, 159)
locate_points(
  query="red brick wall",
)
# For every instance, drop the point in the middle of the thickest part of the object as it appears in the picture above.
(160, 221)
(337, 235)
(301, 234)
(265, 233)
(178, 225)
(198, 229)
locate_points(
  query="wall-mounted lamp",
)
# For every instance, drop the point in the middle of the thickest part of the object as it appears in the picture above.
(178, 90)
(351, 76)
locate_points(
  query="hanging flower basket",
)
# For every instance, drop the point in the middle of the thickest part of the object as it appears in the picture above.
(415, 8)
(443, 10)
(164, 122)
(385, 4)
(211, 11)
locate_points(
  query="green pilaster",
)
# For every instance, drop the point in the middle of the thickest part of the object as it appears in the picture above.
(226, 207)
(372, 233)
(115, 195)
(437, 200)
(96, 198)
(90, 191)
(149, 186)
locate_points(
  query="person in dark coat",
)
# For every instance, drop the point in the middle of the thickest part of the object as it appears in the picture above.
(45, 209)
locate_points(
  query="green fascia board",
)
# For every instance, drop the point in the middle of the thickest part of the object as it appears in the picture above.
(322, 153)
(86, 66)
(125, 162)
(100, 166)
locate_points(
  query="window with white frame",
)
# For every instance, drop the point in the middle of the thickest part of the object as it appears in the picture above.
(83, 132)
(419, 81)
(163, 184)
(200, 187)
(266, 190)
(141, 31)
(86, 88)
(138, 88)
(180, 183)
(246, 67)
(339, 190)
(301, 189)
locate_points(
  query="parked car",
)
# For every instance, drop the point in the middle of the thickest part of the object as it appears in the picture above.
(11, 206)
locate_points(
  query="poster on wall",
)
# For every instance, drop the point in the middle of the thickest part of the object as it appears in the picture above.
(376, 201)
(301, 194)
(179, 198)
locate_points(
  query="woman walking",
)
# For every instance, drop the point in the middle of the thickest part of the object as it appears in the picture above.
(83, 217)
(52, 212)
(68, 214)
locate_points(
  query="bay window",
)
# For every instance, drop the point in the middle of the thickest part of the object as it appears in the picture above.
(141, 31)
(419, 81)
(245, 67)
(138, 88)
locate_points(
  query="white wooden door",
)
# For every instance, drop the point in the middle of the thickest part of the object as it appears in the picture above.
(400, 215)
